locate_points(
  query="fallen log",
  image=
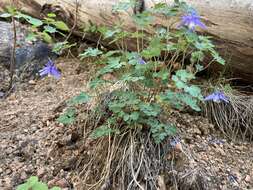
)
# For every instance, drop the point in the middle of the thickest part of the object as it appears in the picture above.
(229, 22)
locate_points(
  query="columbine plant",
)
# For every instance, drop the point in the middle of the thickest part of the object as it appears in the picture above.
(157, 76)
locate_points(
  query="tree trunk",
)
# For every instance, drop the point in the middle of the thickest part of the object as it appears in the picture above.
(230, 22)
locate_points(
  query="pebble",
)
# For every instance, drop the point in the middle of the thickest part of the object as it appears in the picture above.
(23, 175)
(62, 183)
(32, 82)
(1, 94)
(247, 178)
(41, 172)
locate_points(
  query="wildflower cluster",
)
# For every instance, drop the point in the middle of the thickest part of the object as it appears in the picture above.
(156, 76)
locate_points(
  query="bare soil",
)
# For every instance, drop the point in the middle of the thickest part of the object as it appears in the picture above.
(32, 142)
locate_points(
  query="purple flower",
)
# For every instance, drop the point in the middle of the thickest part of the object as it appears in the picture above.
(50, 69)
(141, 61)
(217, 97)
(191, 20)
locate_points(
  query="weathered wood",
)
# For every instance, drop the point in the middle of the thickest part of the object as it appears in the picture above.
(230, 22)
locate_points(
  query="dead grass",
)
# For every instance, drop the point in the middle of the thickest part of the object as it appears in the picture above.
(132, 161)
(234, 119)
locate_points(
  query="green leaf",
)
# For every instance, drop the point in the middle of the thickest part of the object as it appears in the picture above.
(150, 109)
(33, 184)
(217, 58)
(179, 84)
(46, 37)
(116, 106)
(111, 33)
(60, 25)
(103, 131)
(162, 8)
(24, 186)
(188, 100)
(80, 99)
(29, 184)
(55, 188)
(160, 131)
(33, 21)
(129, 78)
(91, 52)
(194, 91)
(170, 47)
(184, 75)
(199, 67)
(154, 49)
(122, 6)
(40, 186)
(68, 117)
(60, 46)
(204, 44)
(96, 82)
(163, 74)
(197, 56)
(143, 19)
(31, 37)
(32, 180)
(50, 29)
(12, 10)
(179, 100)
(113, 64)
(5, 15)
(51, 15)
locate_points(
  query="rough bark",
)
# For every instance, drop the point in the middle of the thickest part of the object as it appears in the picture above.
(230, 22)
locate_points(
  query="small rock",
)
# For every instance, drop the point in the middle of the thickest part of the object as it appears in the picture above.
(8, 171)
(32, 82)
(1, 94)
(52, 182)
(195, 130)
(9, 150)
(41, 172)
(221, 151)
(247, 178)
(23, 176)
(7, 183)
(62, 183)
(204, 157)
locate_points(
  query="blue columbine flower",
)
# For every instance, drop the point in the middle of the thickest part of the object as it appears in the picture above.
(51, 70)
(191, 20)
(217, 97)
(141, 61)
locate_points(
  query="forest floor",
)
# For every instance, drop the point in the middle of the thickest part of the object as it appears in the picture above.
(32, 142)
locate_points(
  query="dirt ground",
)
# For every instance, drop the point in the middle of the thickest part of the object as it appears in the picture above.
(30, 136)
